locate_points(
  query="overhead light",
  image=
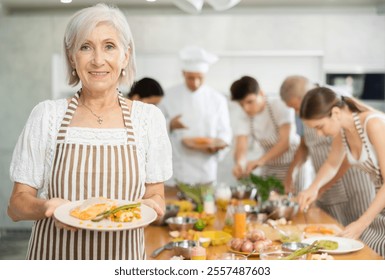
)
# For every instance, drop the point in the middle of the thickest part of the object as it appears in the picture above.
(195, 6)
(151, 0)
(65, 1)
(190, 6)
(221, 5)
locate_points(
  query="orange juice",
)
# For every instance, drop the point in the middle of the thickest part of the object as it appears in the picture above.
(239, 225)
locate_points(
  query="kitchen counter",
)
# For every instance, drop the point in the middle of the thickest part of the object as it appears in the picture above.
(157, 236)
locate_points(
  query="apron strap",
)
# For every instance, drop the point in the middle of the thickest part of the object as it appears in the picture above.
(361, 132)
(72, 106)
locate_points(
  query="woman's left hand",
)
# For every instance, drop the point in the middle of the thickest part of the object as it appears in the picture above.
(154, 205)
(353, 230)
(251, 165)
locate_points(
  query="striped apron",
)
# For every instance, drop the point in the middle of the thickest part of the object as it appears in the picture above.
(351, 195)
(279, 166)
(82, 171)
(374, 235)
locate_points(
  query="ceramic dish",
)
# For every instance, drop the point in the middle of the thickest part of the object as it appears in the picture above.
(62, 214)
(345, 245)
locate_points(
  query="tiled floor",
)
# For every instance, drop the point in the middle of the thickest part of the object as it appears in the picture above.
(13, 244)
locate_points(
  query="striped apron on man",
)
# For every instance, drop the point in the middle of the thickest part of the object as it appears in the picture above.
(279, 166)
(82, 171)
(374, 235)
(351, 195)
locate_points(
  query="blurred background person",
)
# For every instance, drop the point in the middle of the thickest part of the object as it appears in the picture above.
(146, 90)
(355, 133)
(194, 109)
(270, 123)
(349, 193)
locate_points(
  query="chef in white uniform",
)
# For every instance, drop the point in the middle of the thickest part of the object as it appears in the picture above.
(194, 109)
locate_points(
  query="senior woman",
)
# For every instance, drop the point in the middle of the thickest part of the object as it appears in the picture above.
(355, 133)
(96, 143)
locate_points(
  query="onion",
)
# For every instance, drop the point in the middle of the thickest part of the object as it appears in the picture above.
(256, 234)
(267, 242)
(247, 246)
(259, 245)
(236, 244)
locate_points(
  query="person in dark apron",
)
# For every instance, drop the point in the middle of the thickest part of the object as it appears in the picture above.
(95, 144)
(270, 123)
(355, 133)
(350, 192)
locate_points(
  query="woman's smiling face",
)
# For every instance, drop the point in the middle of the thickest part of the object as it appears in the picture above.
(100, 59)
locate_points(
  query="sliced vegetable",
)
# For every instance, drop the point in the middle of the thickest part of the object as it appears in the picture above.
(106, 214)
(313, 248)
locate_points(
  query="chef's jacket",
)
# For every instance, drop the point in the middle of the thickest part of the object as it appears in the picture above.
(205, 113)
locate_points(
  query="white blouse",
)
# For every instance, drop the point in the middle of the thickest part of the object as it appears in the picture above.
(33, 155)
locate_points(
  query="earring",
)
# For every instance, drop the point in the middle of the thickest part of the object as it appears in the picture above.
(73, 72)
(123, 72)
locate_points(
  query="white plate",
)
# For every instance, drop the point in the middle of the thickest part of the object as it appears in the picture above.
(345, 245)
(62, 213)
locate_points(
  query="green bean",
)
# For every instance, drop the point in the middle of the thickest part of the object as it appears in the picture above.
(107, 213)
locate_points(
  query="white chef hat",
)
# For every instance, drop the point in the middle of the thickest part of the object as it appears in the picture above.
(196, 59)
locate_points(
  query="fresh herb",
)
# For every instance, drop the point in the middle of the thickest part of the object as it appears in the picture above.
(265, 185)
(313, 248)
(195, 193)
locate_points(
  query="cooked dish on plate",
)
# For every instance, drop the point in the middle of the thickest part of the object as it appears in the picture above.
(97, 209)
(204, 142)
(104, 214)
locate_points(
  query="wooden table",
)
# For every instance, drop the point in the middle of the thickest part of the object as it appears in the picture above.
(156, 236)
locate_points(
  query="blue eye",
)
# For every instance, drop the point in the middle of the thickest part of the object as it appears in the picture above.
(110, 47)
(84, 47)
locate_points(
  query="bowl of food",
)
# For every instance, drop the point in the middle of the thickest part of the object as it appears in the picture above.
(276, 252)
(181, 223)
(184, 247)
(232, 256)
(171, 211)
(293, 246)
(277, 209)
(243, 192)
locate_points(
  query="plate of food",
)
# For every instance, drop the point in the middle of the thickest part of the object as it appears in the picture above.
(345, 245)
(313, 230)
(204, 143)
(102, 214)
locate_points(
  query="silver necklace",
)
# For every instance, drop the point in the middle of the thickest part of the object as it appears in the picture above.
(100, 119)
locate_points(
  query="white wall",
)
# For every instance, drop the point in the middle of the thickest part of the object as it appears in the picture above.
(353, 40)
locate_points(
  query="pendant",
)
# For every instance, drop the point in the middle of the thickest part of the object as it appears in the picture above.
(100, 120)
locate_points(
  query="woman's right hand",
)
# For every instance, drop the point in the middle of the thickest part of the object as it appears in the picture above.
(50, 207)
(238, 171)
(307, 197)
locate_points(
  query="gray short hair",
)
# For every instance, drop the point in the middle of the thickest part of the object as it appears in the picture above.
(294, 86)
(80, 26)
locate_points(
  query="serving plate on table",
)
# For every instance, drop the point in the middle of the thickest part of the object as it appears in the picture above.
(313, 230)
(62, 214)
(199, 143)
(345, 245)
